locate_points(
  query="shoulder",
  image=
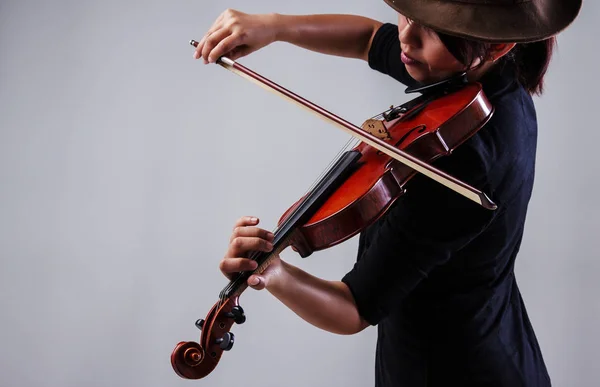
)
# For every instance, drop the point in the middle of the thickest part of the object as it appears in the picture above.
(506, 146)
(498, 160)
(511, 131)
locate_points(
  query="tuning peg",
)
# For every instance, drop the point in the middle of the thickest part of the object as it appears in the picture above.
(237, 314)
(200, 323)
(226, 342)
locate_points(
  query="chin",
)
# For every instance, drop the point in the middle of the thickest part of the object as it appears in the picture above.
(417, 75)
(424, 79)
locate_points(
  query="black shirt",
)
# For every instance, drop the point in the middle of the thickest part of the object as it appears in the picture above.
(436, 272)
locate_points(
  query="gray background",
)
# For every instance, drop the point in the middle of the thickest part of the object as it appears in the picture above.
(124, 163)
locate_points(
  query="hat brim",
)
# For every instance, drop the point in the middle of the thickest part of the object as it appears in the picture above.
(521, 22)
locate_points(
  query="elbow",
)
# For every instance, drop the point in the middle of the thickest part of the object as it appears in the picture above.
(350, 321)
(363, 324)
(352, 329)
(352, 324)
(360, 326)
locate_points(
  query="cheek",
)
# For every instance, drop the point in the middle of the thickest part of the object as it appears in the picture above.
(439, 63)
(401, 22)
(444, 61)
(439, 58)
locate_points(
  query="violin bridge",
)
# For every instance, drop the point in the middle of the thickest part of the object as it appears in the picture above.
(377, 129)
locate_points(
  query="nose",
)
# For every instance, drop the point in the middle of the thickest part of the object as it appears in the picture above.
(409, 34)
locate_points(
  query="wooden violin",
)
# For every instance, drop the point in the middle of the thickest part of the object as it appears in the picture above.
(359, 187)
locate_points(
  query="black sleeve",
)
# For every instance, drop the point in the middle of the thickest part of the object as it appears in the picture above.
(420, 232)
(384, 55)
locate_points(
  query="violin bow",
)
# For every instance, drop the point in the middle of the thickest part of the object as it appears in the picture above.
(428, 170)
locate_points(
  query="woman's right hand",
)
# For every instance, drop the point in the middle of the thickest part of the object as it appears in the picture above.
(236, 34)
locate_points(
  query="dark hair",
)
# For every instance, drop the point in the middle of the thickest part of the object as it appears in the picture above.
(529, 60)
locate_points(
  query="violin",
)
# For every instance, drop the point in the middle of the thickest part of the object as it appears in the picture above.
(358, 187)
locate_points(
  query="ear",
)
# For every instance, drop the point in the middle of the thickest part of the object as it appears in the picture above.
(498, 50)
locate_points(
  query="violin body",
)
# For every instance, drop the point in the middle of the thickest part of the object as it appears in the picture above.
(354, 193)
(432, 132)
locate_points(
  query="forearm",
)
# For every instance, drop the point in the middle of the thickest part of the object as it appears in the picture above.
(328, 305)
(340, 35)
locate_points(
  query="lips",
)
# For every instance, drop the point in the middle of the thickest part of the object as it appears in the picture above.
(407, 59)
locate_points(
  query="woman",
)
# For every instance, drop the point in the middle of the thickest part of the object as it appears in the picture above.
(435, 274)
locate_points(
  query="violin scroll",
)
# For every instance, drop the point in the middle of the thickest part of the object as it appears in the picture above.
(186, 358)
(193, 360)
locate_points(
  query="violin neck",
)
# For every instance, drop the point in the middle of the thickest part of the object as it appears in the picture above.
(332, 179)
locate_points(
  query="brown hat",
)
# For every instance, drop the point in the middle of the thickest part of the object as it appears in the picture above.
(492, 20)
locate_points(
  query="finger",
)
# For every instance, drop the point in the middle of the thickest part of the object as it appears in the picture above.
(240, 246)
(214, 39)
(256, 282)
(202, 44)
(246, 221)
(216, 25)
(234, 265)
(249, 231)
(224, 46)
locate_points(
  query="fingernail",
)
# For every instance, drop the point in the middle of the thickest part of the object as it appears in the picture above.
(253, 220)
(254, 281)
(270, 235)
(269, 246)
(253, 265)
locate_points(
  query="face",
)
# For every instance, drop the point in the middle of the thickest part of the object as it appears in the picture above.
(426, 58)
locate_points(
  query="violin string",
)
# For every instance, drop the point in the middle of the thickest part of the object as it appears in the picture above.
(231, 285)
(254, 256)
(350, 144)
(319, 178)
